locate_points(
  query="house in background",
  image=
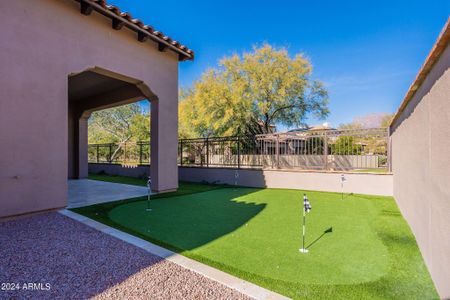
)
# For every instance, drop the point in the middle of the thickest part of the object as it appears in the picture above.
(420, 139)
(314, 128)
(62, 60)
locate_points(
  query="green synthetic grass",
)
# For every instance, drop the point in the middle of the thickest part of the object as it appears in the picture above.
(184, 188)
(255, 234)
(118, 179)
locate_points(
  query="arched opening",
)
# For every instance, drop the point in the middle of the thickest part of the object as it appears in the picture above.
(91, 90)
(120, 136)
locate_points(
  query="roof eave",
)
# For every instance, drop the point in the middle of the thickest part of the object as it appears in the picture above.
(163, 42)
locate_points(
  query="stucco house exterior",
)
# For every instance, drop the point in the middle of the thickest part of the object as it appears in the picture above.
(420, 139)
(61, 60)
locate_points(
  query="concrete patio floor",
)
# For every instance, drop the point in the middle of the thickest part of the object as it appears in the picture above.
(84, 192)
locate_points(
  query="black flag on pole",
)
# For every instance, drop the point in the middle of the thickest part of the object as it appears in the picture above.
(306, 209)
(306, 205)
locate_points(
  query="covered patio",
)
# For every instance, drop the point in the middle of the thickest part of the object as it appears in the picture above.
(107, 60)
(85, 192)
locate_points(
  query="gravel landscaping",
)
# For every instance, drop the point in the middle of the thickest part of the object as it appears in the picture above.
(63, 259)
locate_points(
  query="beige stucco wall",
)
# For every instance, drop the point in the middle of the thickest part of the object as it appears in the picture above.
(421, 166)
(42, 43)
(370, 184)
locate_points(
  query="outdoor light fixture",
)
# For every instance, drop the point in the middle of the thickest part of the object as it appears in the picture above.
(149, 187)
(236, 177)
(306, 209)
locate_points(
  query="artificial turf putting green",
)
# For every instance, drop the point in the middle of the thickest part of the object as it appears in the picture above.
(255, 234)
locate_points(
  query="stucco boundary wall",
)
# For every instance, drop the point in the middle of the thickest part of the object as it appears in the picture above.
(364, 183)
(420, 141)
(138, 171)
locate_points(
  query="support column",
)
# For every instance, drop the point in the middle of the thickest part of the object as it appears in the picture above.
(164, 145)
(83, 166)
(80, 145)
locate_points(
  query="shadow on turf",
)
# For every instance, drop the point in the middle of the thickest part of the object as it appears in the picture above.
(190, 221)
(329, 230)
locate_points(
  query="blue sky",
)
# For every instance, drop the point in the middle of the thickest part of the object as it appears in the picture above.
(366, 52)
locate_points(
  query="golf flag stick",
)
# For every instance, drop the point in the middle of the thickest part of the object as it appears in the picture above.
(342, 186)
(306, 209)
(304, 231)
(149, 187)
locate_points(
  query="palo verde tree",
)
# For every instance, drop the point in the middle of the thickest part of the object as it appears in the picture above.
(251, 93)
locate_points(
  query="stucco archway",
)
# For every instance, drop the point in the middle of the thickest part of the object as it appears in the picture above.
(90, 90)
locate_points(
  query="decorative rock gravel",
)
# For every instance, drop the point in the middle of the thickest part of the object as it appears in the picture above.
(78, 262)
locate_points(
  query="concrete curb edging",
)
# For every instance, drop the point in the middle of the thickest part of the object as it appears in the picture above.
(228, 280)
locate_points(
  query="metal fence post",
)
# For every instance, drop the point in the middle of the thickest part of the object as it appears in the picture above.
(325, 150)
(389, 150)
(98, 147)
(201, 155)
(277, 151)
(181, 152)
(239, 152)
(207, 152)
(124, 158)
(140, 153)
(110, 153)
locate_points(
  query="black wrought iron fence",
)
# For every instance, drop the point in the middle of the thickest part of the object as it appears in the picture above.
(236, 152)
(124, 153)
(357, 150)
(336, 150)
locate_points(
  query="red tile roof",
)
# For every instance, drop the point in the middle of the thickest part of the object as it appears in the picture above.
(434, 55)
(144, 31)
